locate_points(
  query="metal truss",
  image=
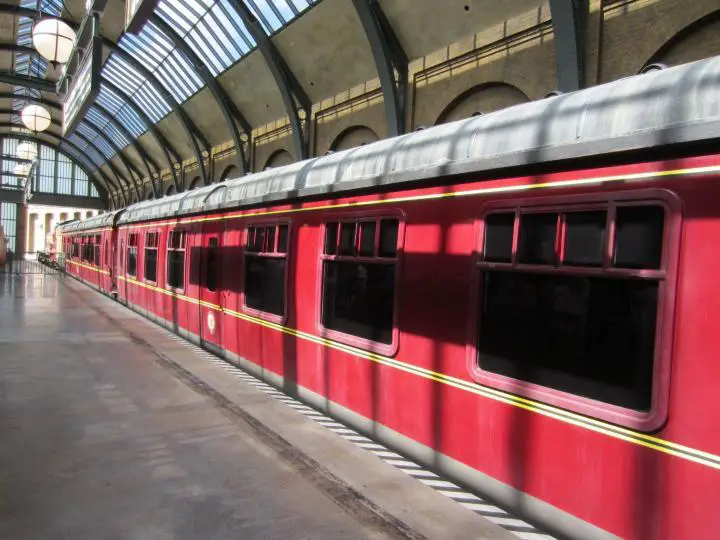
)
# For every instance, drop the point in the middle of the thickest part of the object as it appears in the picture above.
(391, 62)
(103, 190)
(291, 91)
(569, 20)
(216, 90)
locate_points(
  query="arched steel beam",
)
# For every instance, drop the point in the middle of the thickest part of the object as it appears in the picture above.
(36, 83)
(390, 59)
(569, 20)
(118, 152)
(29, 99)
(162, 142)
(151, 128)
(189, 126)
(144, 155)
(216, 90)
(291, 91)
(53, 122)
(102, 188)
(118, 175)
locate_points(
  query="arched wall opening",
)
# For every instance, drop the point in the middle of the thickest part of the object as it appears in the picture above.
(482, 99)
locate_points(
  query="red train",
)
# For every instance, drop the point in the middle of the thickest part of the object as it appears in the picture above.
(525, 301)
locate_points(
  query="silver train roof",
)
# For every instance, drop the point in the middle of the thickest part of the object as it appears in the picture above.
(679, 104)
(100, 221)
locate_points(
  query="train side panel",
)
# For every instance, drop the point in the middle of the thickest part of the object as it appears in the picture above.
(631, 483)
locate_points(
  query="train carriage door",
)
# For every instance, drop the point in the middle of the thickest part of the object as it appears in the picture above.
(210, 286)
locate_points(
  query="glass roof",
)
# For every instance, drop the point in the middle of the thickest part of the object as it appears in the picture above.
(216, 34)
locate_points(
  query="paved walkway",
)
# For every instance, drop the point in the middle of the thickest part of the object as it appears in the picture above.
(100, 441)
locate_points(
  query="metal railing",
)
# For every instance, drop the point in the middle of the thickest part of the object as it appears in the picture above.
(34, 263)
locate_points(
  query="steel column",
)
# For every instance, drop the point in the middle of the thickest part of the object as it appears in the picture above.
(189, 126)
(125, 161)
(144, 155)
(152, 129)
(569, 20)
(10, 77)
(291, 91)
(216, 90)
(391, 62)
(103, 190)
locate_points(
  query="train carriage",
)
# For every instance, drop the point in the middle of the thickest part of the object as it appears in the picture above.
(524, 301)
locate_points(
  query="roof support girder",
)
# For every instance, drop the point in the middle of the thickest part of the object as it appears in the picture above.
(189, 126)
(144, 155)
(570, 21)
(218, 92)
(391, 62)
(35, 83)
(152, 129)
(103, 189)
(291, 91)
(19, 11)
(118, 152)
(39, 101)
(118, 175)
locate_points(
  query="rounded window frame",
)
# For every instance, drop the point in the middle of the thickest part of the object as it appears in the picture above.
(657, 415)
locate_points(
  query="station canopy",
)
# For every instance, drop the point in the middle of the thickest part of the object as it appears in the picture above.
(197, 74)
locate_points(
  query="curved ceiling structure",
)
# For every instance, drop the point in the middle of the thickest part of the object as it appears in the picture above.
(199, 74)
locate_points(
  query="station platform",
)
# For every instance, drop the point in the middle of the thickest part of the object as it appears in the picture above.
(113, 428)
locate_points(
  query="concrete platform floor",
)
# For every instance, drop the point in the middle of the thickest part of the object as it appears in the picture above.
(113, 428)
(99, 442)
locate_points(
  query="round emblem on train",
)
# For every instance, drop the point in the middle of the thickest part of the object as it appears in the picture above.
(211, 322)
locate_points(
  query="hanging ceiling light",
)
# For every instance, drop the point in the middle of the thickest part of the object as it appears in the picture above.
(26, 150)
(36, 118)
(21, 169)
(53, 39)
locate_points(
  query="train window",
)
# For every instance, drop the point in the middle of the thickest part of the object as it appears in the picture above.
(499, 229)
(537, 240)
(211, 266)
(151, 256)
(638, 234)
(587, 324)
(96, 254)
(584, 238)
(176, 259)
(132, 255)
(107, 254)
(265, 262)
(358, 280)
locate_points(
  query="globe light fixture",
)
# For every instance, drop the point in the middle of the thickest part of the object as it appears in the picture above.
(53, 40)
(36, 118)
(26, 150)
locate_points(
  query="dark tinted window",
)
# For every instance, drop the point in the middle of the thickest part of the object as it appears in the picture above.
(132, 261)
(211, 265)
(265, 283)
(388, 237)
(358, 299)
(584, 238)
(331, 231)
(347, 238)
(151, 265)
(499, 230)
(282, 242)
(537, 238)
(591, 336)
(639, 236)
(176, 259)
(367, 239)
(176, 269)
